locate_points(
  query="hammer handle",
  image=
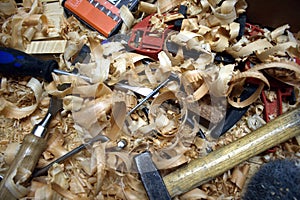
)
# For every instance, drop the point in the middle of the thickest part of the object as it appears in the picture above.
(21, 168)
(201, 170)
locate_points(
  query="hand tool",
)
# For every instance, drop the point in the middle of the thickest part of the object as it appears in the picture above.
(150, 42)
(99, 137)
(203, 169)
(233, 114)
(17, 63)
(13, 185)
(155, 91)
(102, 138)
(144, 91)
(100, 15)
(42, 171)
(146, 41)
(151, 177)
(273, 108)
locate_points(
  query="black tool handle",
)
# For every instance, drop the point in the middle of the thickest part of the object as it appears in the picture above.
(17, 63)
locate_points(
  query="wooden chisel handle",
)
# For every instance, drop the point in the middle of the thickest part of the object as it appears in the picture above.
(20, 170)
(217, 162)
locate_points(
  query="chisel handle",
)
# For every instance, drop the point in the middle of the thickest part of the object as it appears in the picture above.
(201, 170)
(22, 167)
(17, 63)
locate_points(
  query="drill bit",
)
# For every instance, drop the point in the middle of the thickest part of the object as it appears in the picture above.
(43, 170)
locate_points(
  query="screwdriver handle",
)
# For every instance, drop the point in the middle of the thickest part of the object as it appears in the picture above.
(17, 63)
(20, 170)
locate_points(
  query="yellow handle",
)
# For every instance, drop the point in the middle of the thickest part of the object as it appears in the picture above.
(217, 162)
(13, 185)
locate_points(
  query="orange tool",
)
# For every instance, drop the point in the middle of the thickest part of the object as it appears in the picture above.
(100, 15)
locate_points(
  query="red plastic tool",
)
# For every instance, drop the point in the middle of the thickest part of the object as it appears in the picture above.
(146, 41)
(253, 30)
(274, 108)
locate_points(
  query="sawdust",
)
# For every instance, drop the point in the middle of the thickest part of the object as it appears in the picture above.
(209, 28)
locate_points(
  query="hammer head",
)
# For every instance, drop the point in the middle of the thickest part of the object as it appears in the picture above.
(151, 178)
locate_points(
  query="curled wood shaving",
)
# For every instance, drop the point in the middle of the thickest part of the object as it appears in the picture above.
(8, 8)
(24, 25)
(194, 194)
(235, 88)
(164, 6)
(286, 71)
(16, 188)
(245, 48)
(218, 78)
(10, 110)
(98, 108)
(239, 175)
(127, 17)
(147, 7)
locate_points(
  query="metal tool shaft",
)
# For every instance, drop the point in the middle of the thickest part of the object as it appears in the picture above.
(155, 91)
(61, 159)
(14, 183)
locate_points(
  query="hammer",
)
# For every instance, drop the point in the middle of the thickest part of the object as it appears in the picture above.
(201, 170)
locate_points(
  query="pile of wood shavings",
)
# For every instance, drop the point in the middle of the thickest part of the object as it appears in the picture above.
(90, 109)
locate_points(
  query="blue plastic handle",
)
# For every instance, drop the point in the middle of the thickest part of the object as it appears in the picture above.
(17, 63)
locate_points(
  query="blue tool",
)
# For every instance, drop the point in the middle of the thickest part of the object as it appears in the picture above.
(14, 63)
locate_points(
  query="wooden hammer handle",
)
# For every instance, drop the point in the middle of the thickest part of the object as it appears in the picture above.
(217, 162)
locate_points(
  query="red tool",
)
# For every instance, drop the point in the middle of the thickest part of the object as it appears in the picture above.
(150, 42)
(253, 30)
(274, 108)
(146, 41)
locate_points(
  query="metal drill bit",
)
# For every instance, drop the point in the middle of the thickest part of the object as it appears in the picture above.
(43, 170)
(156, 90)
(57, 71)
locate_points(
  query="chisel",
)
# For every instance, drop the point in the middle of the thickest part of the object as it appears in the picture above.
(14, 183)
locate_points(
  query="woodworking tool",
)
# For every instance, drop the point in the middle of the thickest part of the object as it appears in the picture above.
(150, 95)
(17, 63)
(146, 41)
(100, 15)
(42, 171)
(233, 114)
(14, 183)
(273, 108)
(144, 91)
(151, 177)
(201, 170)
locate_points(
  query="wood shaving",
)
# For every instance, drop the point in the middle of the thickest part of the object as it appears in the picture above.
(97, 107)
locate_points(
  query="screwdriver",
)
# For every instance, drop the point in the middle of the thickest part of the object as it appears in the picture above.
(17, 63)
(14, 183)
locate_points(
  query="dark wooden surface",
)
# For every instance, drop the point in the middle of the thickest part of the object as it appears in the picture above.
(274, 13)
